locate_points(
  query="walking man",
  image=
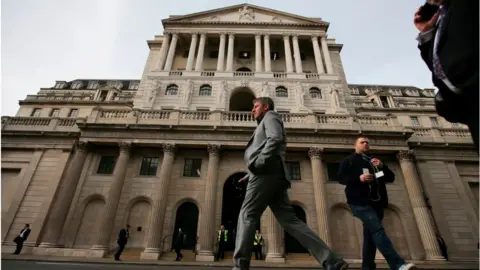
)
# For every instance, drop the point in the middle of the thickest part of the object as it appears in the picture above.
(268, 182)
(222, 242)
(257, 245)
(365, 177)
(122, 241)
(21, 238)
(179, 241)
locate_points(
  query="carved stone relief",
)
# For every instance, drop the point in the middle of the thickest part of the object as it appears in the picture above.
(246, 14)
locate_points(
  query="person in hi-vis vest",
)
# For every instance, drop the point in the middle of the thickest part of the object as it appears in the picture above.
(257, 245)
(222, 241)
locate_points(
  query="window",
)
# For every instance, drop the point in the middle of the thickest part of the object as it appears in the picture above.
(106, 165)
(205, 90)
(60, 85)
(413, 92)
(415, 121)
(133, 86)
(103, 95)
(293, 168)
(384, 101)
(281, 92)
(54, 112)
(36, 112)
(395, 92)
(73, 113)
(149, 166)
(192, 167)
(172, 90)
(434, 121)
(274, 55)
(92, 85)
(355, 91)
(77, 85)
(214, 54)
(454, 124)
(315, 93)
(244, 55)
(332, 171)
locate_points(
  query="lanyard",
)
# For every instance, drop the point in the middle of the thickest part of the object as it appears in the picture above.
(369, 160)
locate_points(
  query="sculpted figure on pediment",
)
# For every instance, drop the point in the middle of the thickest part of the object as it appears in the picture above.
(246, 14)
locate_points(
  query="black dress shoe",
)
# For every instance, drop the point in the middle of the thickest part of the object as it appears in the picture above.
(336, 265)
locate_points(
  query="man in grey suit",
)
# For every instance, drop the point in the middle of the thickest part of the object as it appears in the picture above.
(268, 182)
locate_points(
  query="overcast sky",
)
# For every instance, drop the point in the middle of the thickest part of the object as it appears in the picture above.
(44, 41)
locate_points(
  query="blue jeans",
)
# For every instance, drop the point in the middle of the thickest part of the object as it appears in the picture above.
(374, 237)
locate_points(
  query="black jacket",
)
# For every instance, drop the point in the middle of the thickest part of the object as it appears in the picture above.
(122, 237)
(458, 54)
(359, 193)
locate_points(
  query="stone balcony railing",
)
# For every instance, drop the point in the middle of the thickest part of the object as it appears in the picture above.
(75, 98)
(245, 74)
(440, 135)
(40, 124)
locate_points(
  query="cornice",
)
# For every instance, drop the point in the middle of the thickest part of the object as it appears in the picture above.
(312, 25)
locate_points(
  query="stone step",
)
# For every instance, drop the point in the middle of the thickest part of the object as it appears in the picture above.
(188, 256)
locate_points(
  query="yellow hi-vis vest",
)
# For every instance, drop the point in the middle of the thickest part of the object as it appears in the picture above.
(258, 239)
(220, 235)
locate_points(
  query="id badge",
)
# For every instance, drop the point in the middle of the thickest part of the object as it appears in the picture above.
(366, 171)
(379, 174)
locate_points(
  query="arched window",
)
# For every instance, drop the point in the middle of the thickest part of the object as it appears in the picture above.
(205, 90)
(281, 92)
(172, 90)
(315, 93)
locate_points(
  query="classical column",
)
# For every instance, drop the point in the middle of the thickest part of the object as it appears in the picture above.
(326, 54)
(266, 49)
(258, 53)
(207, 224)
(275, 248)
(155, 228)
(231, 39)
(58, 214)
(191, 52)
(318, 55)
(296, 51)
(171, 53)
(201, 52)
(221, 52)
(107, 219)
(420, 209)
(163, 52)
(288, 54)
(320, 192)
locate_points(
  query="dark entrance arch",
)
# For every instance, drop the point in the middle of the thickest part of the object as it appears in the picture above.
(241, 100)
(187, 219)
(233, 195)
(244, 69)
(291, 244)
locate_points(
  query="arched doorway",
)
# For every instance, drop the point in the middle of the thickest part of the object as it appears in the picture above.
(244, 69)
(233, 195)
(291, 244)
(187, 219)
(241, 100)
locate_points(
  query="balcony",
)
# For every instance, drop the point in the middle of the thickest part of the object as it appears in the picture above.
(245, 74)
(440, 135)
(39, 124)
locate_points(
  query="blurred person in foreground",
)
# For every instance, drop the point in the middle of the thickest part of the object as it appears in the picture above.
(268, 183)
(448, 42)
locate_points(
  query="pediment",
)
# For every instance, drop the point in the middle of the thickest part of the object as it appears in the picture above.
(244, 13)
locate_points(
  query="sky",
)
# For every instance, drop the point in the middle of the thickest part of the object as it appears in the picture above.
(45, 41)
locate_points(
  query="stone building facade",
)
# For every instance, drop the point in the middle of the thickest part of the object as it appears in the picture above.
(83, 158)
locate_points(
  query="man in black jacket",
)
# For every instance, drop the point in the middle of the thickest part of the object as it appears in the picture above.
(365, 177)
(21, 238)
(122, 241)
(448, 42)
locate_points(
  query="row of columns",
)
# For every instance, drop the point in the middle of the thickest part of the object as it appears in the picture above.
(165, 60)
(58, 214)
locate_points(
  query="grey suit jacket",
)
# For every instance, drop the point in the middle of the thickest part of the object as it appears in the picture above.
(266, 149)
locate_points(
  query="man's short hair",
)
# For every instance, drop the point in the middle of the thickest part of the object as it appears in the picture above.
(360, 137)
(267, 101)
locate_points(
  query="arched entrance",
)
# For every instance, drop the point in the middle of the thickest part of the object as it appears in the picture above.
(241, 100)
(233, 195)
(187, 219)
(291, 244)
(244, 69)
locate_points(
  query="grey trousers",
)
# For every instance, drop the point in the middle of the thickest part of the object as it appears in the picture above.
(269, 190)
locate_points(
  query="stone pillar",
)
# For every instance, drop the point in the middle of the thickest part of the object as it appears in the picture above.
(221, 52)
(420, 209)
(191, 52)
(258, 53)
(288, 54)
(155, 228)
(318, 55)
(201, 52)
(171, 53)
(107, 219)
(326, 54)
(296, 51)
(207, 223)
(275, 248)
(320, 193)
(163, 52)
(59, 212)
(231, 39)
(266, 49)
